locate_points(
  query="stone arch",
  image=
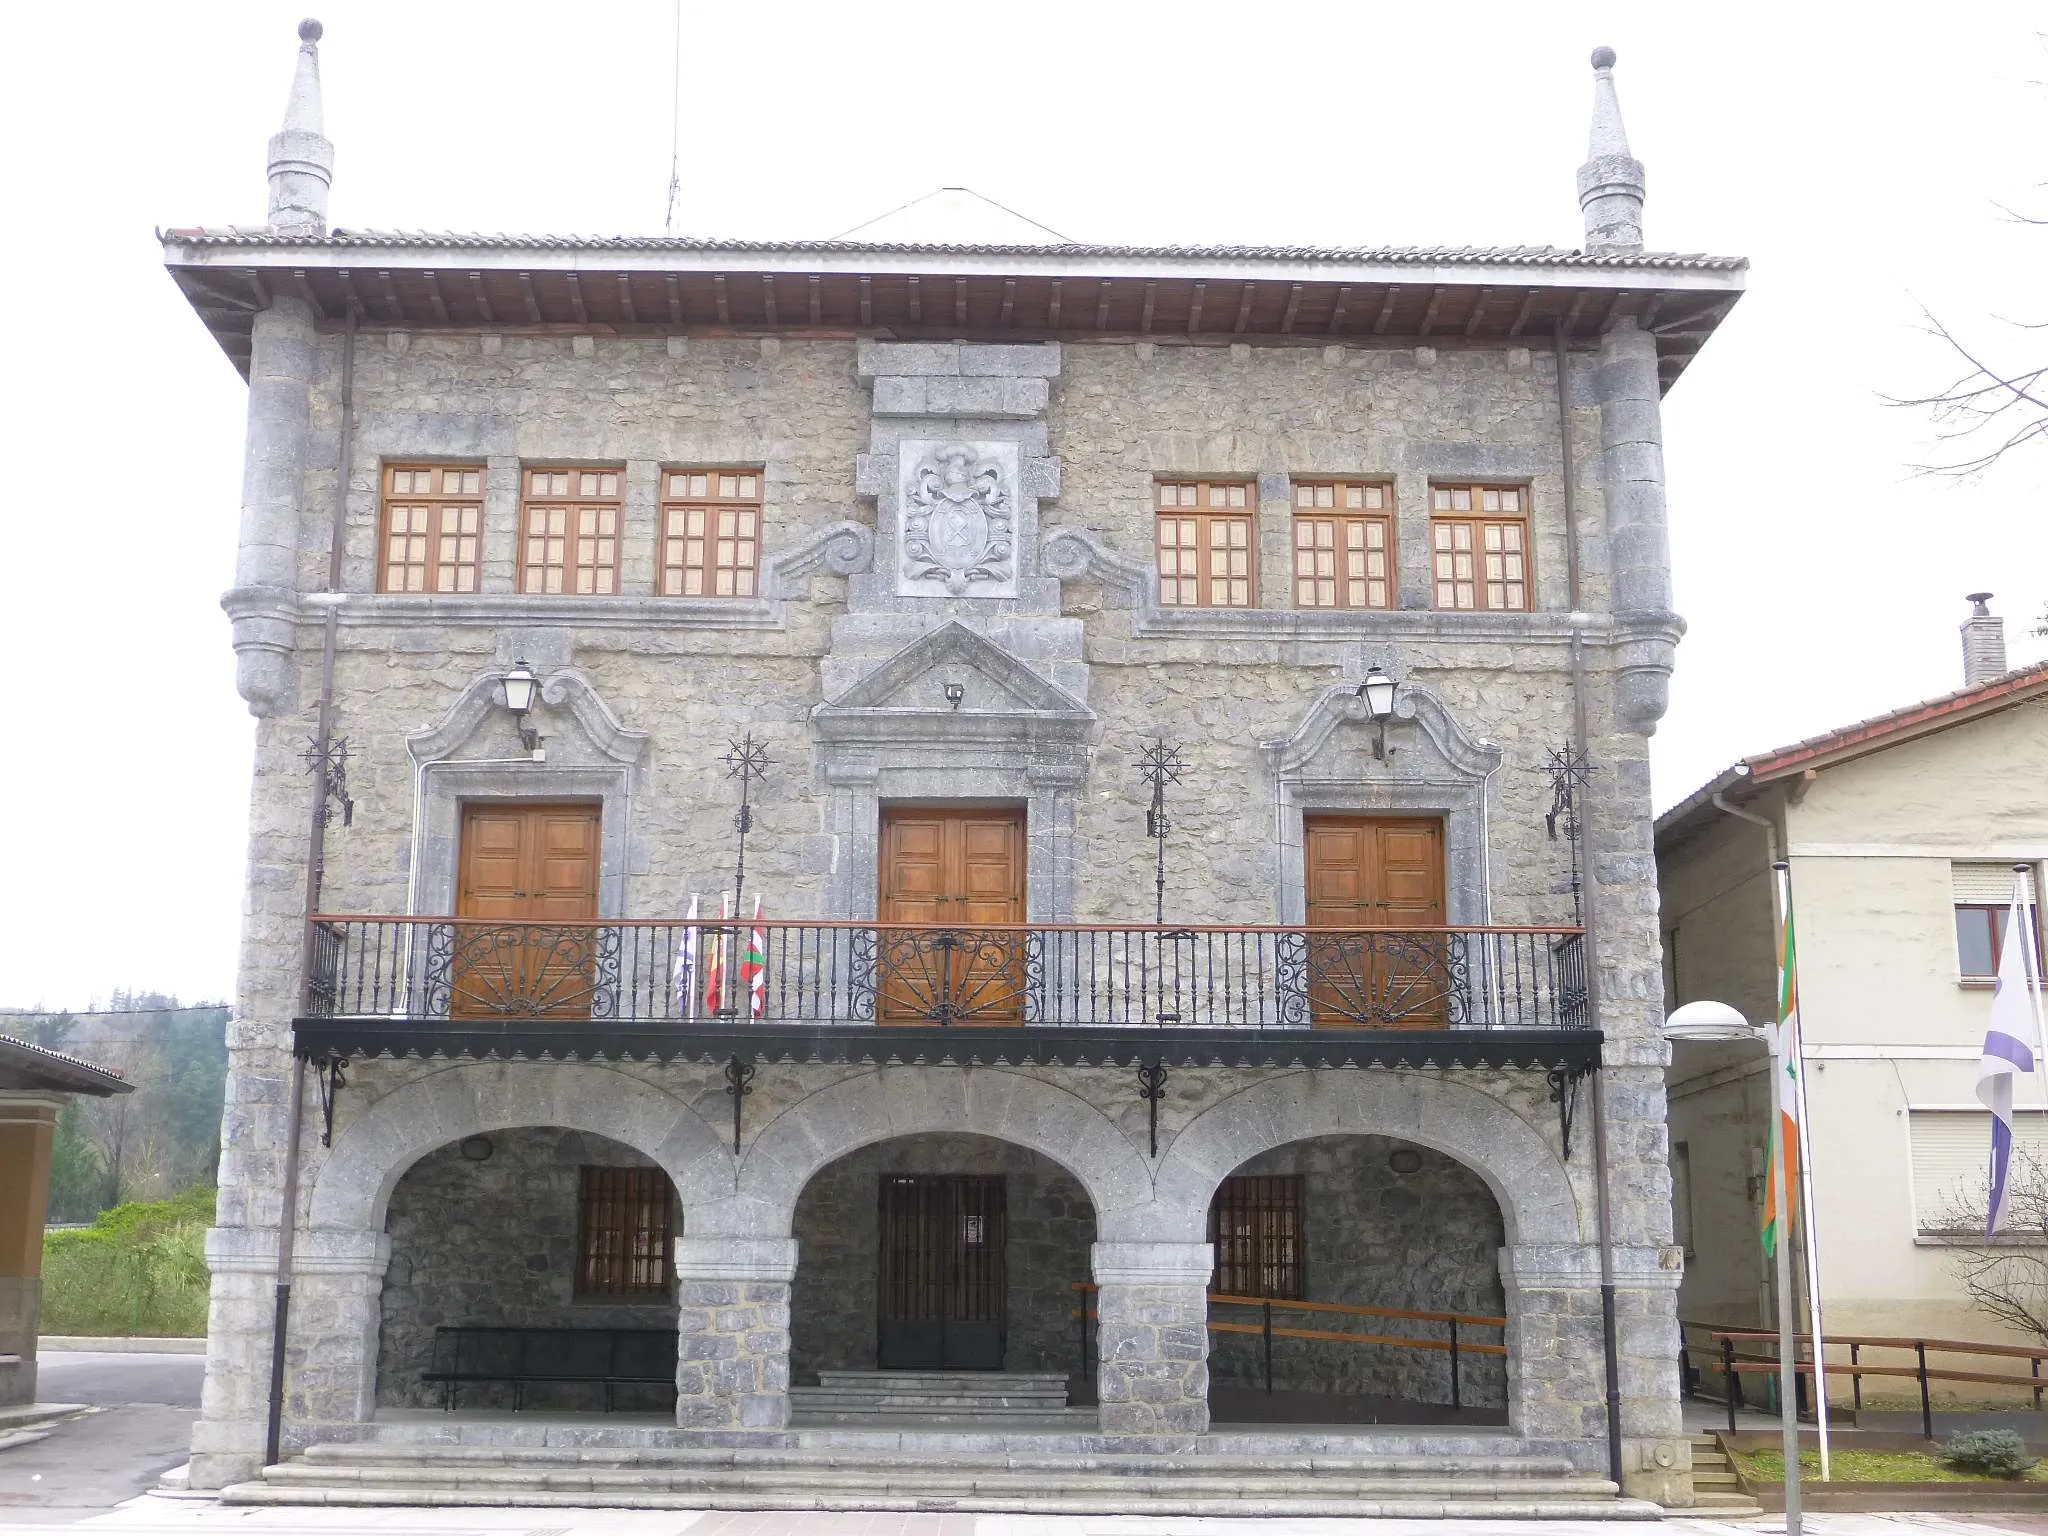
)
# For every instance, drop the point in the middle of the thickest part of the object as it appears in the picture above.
(877, 1106)
(1530, 1184)
(374, 1151)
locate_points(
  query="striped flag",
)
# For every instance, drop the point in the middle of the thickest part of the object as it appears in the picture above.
(2006, 1051)
(754, 965)
(686, 964)
(714, 969)
(1788, 1062)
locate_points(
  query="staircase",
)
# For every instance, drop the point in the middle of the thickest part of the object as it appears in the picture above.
(1714, 1485)
(823, 1477)
(940, 1397)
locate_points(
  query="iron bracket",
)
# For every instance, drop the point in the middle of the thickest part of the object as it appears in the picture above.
(1152, 1088)
(329, 1077)
(739, 1082)
(1564, 1093)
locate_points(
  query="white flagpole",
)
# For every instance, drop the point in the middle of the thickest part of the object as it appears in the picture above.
(2029, 908)
(1808, 1223)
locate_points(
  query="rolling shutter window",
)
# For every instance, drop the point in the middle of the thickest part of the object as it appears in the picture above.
(1952, 1159)
(1984, 884)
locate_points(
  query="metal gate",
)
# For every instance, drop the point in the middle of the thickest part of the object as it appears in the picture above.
(942, 1299)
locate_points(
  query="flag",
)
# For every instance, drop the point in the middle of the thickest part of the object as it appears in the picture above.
(754, 965)
(686, 964)
(1787, 1059)
(2006, 1052)
(714, 970)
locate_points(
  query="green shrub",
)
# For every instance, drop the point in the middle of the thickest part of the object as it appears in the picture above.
(139, 1269)
(1998, 1452)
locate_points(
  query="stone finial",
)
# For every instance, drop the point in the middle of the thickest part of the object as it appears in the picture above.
(1983, 642)
(1611, 181)
(301, 159)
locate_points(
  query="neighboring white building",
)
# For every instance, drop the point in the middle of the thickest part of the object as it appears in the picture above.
(1902, 833)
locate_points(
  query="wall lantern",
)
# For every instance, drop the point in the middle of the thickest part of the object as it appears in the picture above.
(1706, 1020)
(1378, 692)
(519, 687)
(955, 692)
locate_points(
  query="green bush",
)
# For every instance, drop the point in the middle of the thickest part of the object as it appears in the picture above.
(1997, 1452)
(139, 1269)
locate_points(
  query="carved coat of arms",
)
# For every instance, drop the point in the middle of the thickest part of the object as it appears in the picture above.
(959, 521)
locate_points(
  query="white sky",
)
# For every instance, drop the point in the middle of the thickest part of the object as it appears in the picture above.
(1858, 164)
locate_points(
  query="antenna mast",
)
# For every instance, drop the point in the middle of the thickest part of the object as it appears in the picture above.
(675, 131)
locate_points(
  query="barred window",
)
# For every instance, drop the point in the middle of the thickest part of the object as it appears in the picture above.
(1343, 545)
(1479, 546)
(571, 531)
(1255, 1223)
(1205, 544)
(433, 519)
(624, 1233)
(711, 533)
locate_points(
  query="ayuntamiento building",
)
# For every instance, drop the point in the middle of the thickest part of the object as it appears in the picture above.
(1119, 1138)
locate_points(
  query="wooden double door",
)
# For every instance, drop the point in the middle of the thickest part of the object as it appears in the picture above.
(525, 864)
(950, 872)
(943, 1293)
(1372, 872)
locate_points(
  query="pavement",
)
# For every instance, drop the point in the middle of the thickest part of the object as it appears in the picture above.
(135, 1426)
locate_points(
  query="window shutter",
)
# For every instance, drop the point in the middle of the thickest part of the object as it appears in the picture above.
(1952, 1160)
(1983, 885)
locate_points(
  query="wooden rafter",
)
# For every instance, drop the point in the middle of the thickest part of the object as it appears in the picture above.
(1478, 311)
(1102, 304)
(1293, 308)
(1246, 292)
(1436, 302)
(959, 301)
(768, 297)
(576, 304)
(526, 292)
(626, 306)
(1009, 299)
(482, 298)
(1052, 304)
(916, 302)
(1385, 317)
(389, 290)
(1337, 310)
(675, 299)
(1195, 308)
(1145, 314)
(721, 299)
(352, 301)
(867, 301)
(1522, 314)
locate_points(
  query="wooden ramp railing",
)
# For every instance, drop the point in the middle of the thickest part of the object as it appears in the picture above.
(1455, 1342)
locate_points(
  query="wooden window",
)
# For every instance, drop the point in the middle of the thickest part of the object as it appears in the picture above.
(1479, 546)
(1205, 544)
(624, 1232)
(1983, 902)
(433, 519)
(1343, 545)
(571, 534)
(1255, 1223)
(711, 533)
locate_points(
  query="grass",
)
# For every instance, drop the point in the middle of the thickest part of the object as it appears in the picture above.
(138, 1270)
(1866, 1467)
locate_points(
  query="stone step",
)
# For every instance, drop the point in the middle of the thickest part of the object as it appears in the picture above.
(947, 1381)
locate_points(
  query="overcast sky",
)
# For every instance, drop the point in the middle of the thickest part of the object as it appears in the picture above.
(1861, 168)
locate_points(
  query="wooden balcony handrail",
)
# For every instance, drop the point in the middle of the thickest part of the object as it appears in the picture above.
(1878, 1341)
(870, 924)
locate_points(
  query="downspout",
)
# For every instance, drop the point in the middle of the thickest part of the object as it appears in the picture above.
(1609, 1343)
(316, 864)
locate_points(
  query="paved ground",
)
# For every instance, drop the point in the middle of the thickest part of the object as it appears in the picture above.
(140, 1427)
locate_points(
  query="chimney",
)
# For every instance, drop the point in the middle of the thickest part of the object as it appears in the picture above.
(1983, 643)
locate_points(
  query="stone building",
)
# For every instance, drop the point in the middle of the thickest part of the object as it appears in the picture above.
(922, 549)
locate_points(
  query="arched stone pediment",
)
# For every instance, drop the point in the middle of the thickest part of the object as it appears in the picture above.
(1441, 735)
(594, 733)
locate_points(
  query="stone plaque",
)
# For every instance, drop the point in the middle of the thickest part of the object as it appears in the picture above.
(956, 520)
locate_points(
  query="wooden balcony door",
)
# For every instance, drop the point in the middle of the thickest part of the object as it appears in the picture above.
(951, 870)
(1376, 872)
(526, 864)
(943, 1294)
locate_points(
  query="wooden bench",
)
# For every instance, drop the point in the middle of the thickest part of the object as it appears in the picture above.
(606, 1357)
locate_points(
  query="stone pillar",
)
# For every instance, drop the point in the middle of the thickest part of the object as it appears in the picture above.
(27, 1126)
(1152, 1342)
(732, 1325)
(1632, 456)
(261, 605)
(228, 1439)
(337, 1315)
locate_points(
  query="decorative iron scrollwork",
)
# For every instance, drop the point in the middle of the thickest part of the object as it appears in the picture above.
(952, 976)
(1384, 977)
(329, 1078)
(522, 971)
(1152, 1088)
(1564, 1093)
(739, 1082)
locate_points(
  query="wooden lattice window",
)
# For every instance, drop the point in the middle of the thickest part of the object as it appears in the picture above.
(1255, 1223)
(1205, 544)
(1343, 545)
(624, 1231)
(711, 533)
(433, 521)
(571, 531)
(1479, 536)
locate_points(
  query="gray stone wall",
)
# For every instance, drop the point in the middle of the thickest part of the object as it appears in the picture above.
(1051, 1225)
(493, 1243)
(1427, 1241)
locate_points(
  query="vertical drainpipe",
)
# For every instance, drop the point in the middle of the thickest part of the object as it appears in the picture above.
(1609, 1346)
(316, 868)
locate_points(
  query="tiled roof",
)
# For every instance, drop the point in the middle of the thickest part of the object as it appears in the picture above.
(1441, 255)
(67, 1074)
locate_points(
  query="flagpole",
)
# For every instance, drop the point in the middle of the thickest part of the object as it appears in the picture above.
(1788, 1368)
(2029, 905)
(1809, 1208)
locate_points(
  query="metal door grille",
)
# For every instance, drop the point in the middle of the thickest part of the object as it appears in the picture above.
(942, 1263)
(624, 1229)
(1255, 1223)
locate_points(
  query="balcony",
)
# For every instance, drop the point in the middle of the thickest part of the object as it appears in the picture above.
(847, 991)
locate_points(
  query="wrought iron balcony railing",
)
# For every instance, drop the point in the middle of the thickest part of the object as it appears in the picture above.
(726, 975)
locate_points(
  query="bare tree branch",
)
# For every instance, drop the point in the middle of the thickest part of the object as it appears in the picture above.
(2006, 1277)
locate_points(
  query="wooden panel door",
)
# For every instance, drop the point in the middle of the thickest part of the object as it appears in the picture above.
(526, 864)
(951, 870)
(1376, 872)
(942, 1294)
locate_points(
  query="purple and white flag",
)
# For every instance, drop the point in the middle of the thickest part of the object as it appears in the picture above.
(686, 965)
(2007, 1051)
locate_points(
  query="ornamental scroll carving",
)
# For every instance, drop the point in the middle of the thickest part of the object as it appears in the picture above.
(957, 522)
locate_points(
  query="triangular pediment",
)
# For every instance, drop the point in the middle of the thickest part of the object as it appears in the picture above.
(995, 688)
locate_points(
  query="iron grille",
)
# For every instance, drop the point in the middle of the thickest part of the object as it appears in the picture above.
(1255, 1223)
(624, 1230)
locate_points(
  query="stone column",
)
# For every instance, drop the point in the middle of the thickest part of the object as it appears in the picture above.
(27, 1127)
(732, 1325)
(337, 1317)
(1152, 1342)
(1632, 456)
(261, 605)
(228, 1439)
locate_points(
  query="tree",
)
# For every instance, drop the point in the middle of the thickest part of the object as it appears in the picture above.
(1987, 412)
(2006, 1276)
